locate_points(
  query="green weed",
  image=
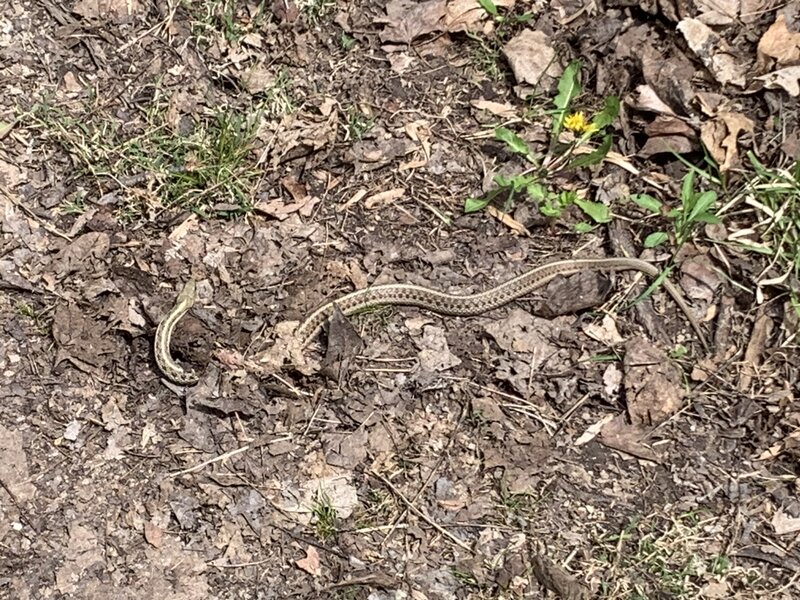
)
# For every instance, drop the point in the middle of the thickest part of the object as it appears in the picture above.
(358, 124)
(324, 516)
(654, 557)
(208, 169)
(316, 11)
(695, 211)
(531, 184)
(486, 51)
(774, 196)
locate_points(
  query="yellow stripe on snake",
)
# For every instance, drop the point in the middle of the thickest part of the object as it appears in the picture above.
(414, 295)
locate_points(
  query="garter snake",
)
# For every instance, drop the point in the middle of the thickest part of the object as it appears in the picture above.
(422, 297)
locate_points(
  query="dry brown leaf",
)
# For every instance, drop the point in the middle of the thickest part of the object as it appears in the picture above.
(783, 523)
(788, 79)
(647, 99)
(503, 110)
(532, 58)
(383, 198)
(667, 144)
(153, 534)
(779, 43)
(258, 78)
(627, 438)
(95, 9)
(720, 134)
(281, 210)
(653, 385)
(716, 589)
(14, 468)
(718, 12)
(285, 10)
(759, 337)
(593, 430)
(435, 354)
(465, 15)
(508, 220)
(667, 125)
(10, 175)
(716, 54)
(605, 332)
(406, 20)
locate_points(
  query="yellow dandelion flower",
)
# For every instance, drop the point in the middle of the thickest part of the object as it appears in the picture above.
(577, 122)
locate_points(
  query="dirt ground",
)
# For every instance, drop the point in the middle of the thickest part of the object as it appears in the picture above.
(568, 445)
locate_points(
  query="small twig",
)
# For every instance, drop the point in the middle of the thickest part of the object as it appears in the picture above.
(210, 461)
(421, 514)
(402, 515)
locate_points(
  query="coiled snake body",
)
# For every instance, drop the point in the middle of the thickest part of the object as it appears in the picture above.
(422, 297)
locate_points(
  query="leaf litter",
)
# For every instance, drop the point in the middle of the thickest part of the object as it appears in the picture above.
(442, 449)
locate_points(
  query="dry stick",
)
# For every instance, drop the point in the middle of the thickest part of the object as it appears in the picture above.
(224, 456)
(435, 468)
(205, 463)
(421, 514)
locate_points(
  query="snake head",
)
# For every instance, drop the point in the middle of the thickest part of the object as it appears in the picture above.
(187, 295)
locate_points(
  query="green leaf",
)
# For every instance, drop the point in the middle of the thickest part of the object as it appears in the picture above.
(537, 191)
(648, 202)
(702, 203)
(678, 352)
(489, 6)
(475, 204)
(513, 142)
(708, 218)
(584, 227)
(655, 239)
(597, 211)
(568, 86)
(606, 116)
(548, 210)
(515, 183)
(566, 198)
(687, 191)
(674, 213)
(594, 157)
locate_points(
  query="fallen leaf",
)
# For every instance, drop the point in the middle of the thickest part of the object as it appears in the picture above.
(406, 20)
(627, 438)
(383, 198)
(718, 12)
(715, 53)
(532, 59)
(310, 564)
(667, 144)
(258, 78)
(153, 534)
(508, 220)
(593, 430)
(788, 79)
(779, 43)
(434, 354)
(783, 523)
(756, 346)
(653, 385)
(558, 580)
(95, 9)
(465, 15)
(716, 589)
(668, 125)
(14, 469)
(605, 332)
(503, 110)
(720, 137)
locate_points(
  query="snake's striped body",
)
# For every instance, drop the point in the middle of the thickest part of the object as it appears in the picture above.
(422, 297)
